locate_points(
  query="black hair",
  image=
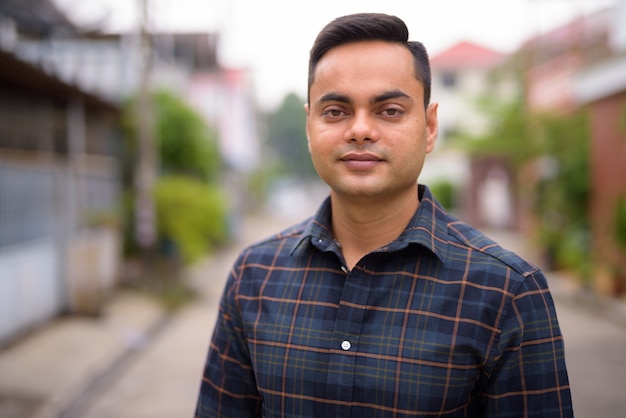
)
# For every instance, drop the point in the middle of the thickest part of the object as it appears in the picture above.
(370, 27)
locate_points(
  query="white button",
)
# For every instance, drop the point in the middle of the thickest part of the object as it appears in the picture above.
(346, 345)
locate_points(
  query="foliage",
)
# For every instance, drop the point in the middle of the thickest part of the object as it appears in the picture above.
(566, 192)
(563, 193)
(259, 183)
(186, 144)
(445, 193)
(620, 223)
(286, 137)
(191, 209)
(511, 135)
(191, 214)
(620, 238)
(557, 147)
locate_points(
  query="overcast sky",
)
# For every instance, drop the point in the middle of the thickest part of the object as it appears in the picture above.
(273, 37)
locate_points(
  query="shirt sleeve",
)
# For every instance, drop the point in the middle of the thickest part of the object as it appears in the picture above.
(228, 387)
(529, 376)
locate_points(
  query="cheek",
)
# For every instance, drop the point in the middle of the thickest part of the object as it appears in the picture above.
(318, 151)
(321, 141)
(411, 141)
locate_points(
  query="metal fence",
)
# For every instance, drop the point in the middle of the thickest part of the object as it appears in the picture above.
(44, 199)
(29, 202)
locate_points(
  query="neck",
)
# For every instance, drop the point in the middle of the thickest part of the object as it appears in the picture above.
(364, 225)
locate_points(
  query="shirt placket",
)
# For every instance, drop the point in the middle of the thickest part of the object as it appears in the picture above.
(345, 344)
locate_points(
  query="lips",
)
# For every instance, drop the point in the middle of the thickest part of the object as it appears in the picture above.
(361, 161)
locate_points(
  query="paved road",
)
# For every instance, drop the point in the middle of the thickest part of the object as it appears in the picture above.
(163, 380)
(596, 356)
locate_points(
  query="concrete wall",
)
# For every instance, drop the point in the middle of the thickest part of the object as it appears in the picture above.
(30, 291)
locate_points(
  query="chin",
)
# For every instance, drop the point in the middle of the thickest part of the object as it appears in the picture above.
(359, 191)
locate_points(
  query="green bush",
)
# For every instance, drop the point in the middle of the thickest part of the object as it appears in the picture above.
(572, 252)
(620, 238)
(191, 215)
(559, 146)
(190, 208)
(187, 145)
(445, 193)
(620, 223)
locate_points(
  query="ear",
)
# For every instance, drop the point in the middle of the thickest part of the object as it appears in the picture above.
(308, 114)
(432, 126)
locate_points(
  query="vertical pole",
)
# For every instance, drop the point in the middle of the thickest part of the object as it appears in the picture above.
(145, 174)
(72, 206)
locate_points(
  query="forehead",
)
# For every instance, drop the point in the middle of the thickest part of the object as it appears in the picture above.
(366, 65)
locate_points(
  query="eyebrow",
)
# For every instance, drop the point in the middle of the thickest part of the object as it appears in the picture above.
(342, 98)
(392, 94)
(335, 97)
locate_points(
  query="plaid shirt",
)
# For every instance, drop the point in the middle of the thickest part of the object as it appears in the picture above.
(440, 322)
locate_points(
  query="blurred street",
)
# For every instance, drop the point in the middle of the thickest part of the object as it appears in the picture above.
(163, 381)
(125, 131)
(159, 375)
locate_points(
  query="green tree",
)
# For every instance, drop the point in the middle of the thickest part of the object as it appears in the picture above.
(191, 214)
(557, 146)
(187, 145)
(510, 136)
(190, 207)
(286, 137)
(563, 196)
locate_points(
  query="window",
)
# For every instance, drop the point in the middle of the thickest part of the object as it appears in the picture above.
(449, 79)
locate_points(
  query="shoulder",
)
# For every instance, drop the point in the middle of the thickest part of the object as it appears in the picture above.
(487, 257)
(263, 260)
(458, 242)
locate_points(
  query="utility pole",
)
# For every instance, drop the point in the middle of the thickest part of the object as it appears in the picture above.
(146, 169)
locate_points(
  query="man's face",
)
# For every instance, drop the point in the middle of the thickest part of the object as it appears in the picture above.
(367, 127)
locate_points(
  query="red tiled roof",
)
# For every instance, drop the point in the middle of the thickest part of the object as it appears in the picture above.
(579, 30)
(466, 54)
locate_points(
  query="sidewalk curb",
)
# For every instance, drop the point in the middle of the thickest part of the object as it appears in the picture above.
(53, 371)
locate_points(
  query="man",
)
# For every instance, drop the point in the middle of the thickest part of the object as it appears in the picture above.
(381, 304)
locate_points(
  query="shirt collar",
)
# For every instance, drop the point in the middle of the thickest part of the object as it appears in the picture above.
(428, 228)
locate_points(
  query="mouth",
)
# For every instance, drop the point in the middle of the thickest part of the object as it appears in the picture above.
(358, 161)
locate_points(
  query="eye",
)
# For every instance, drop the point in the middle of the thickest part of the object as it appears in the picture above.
(333, 112)
(392, 112)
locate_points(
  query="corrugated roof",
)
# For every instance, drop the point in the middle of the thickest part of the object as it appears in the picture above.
(38, 18)
(23, 75)
(467, 54)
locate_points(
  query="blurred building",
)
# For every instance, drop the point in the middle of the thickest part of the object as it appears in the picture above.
(184, 63)
(600, 86)
(62, 88)
(187, 65)
(59, 182)
(583, 65)
(580, 64)
(553, 59)
(462, 76)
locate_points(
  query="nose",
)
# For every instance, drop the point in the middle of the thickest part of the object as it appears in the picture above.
(362, 128)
